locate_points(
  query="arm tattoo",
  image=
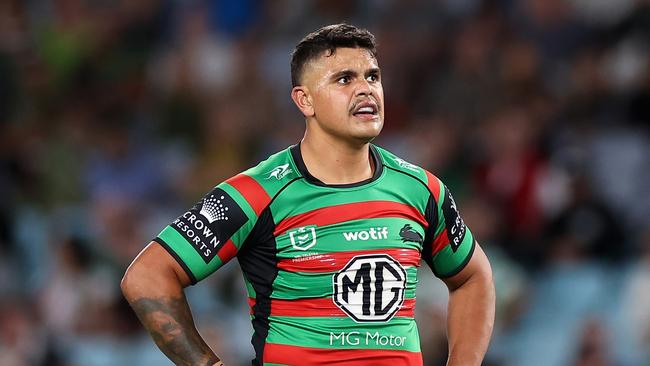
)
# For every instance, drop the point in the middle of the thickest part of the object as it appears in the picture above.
(170, 323)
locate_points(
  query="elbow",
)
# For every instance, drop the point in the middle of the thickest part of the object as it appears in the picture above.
(151, 274)
(130, 282)
(126, 284)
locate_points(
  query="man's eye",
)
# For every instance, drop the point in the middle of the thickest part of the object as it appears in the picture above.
(372, 78)
(343, 80)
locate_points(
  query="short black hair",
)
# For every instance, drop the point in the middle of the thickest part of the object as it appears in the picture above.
(329, 38)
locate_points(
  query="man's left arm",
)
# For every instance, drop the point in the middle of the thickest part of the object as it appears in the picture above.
(470, 317)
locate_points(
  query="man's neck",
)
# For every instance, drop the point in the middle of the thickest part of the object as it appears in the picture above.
(335, 162)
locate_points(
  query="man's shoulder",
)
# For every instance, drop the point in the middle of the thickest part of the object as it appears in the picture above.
(400, 165)
(271, 174)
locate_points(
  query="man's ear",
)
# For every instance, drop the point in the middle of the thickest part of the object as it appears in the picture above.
(300, 96)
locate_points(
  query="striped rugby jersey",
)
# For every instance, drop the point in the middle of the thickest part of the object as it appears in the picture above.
(330, 269)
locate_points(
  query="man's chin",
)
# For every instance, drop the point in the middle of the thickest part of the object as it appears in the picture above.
(368, 135)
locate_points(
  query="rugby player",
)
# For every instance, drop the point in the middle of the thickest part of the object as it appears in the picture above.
(329, 234)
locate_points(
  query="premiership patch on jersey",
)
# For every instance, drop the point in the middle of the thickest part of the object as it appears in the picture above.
(453, 222)
(210, 223)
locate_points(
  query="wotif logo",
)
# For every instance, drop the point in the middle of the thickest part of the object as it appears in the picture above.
(373, 233)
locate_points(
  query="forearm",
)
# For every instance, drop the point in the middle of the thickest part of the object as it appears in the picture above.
(169, 321)
(158, 300)
(470, 320)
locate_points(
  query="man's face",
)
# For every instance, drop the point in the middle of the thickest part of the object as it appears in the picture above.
(345, 94)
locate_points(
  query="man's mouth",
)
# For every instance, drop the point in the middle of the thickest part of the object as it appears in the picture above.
(365, 109)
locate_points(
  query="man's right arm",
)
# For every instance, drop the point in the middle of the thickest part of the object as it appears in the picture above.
(153, 285)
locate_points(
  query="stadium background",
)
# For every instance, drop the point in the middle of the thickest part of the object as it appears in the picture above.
(116, 115)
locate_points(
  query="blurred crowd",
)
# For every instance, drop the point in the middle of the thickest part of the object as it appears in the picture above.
(117, 115)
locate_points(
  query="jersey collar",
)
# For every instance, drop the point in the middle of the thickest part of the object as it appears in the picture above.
(302, 168)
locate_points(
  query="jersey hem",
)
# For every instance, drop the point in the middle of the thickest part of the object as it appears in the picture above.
(177, 258)
(462, 265)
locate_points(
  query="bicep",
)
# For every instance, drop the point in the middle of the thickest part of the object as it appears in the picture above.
(478, 265)
(154, 269)
(449, 244)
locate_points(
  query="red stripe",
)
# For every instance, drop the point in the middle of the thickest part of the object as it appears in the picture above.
(321, 307)
(227, 252)
(252, 191)
(324, 307)
(434, 185)
(351, 211)
(439, 242)
(335, 261)
(294, 355)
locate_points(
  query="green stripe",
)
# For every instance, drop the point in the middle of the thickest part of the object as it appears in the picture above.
(331, 238)
(249, 287)
(188, 254)
(301, 196)
(322, 332)
(447, 263)
(299, 285)
(441, 217)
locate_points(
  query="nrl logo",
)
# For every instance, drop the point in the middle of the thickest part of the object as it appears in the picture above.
(405, 164)
(279, 172)
(303, 238)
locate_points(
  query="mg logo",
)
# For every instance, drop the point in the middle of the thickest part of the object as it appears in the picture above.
(370, 288)
(303, 238)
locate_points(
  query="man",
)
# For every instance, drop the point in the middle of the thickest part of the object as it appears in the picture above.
(329, 234)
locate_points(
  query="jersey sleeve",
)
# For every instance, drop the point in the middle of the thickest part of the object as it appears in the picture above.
(210, 233)
(448, 244)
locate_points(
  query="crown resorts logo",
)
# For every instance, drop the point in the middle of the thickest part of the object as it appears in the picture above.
(213, 209)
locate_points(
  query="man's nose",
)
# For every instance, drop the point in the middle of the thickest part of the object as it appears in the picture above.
(363, 87)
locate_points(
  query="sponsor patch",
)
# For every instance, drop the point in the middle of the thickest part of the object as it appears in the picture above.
(210, 223)
(378, 233)
(370, 288)
(453, 222)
